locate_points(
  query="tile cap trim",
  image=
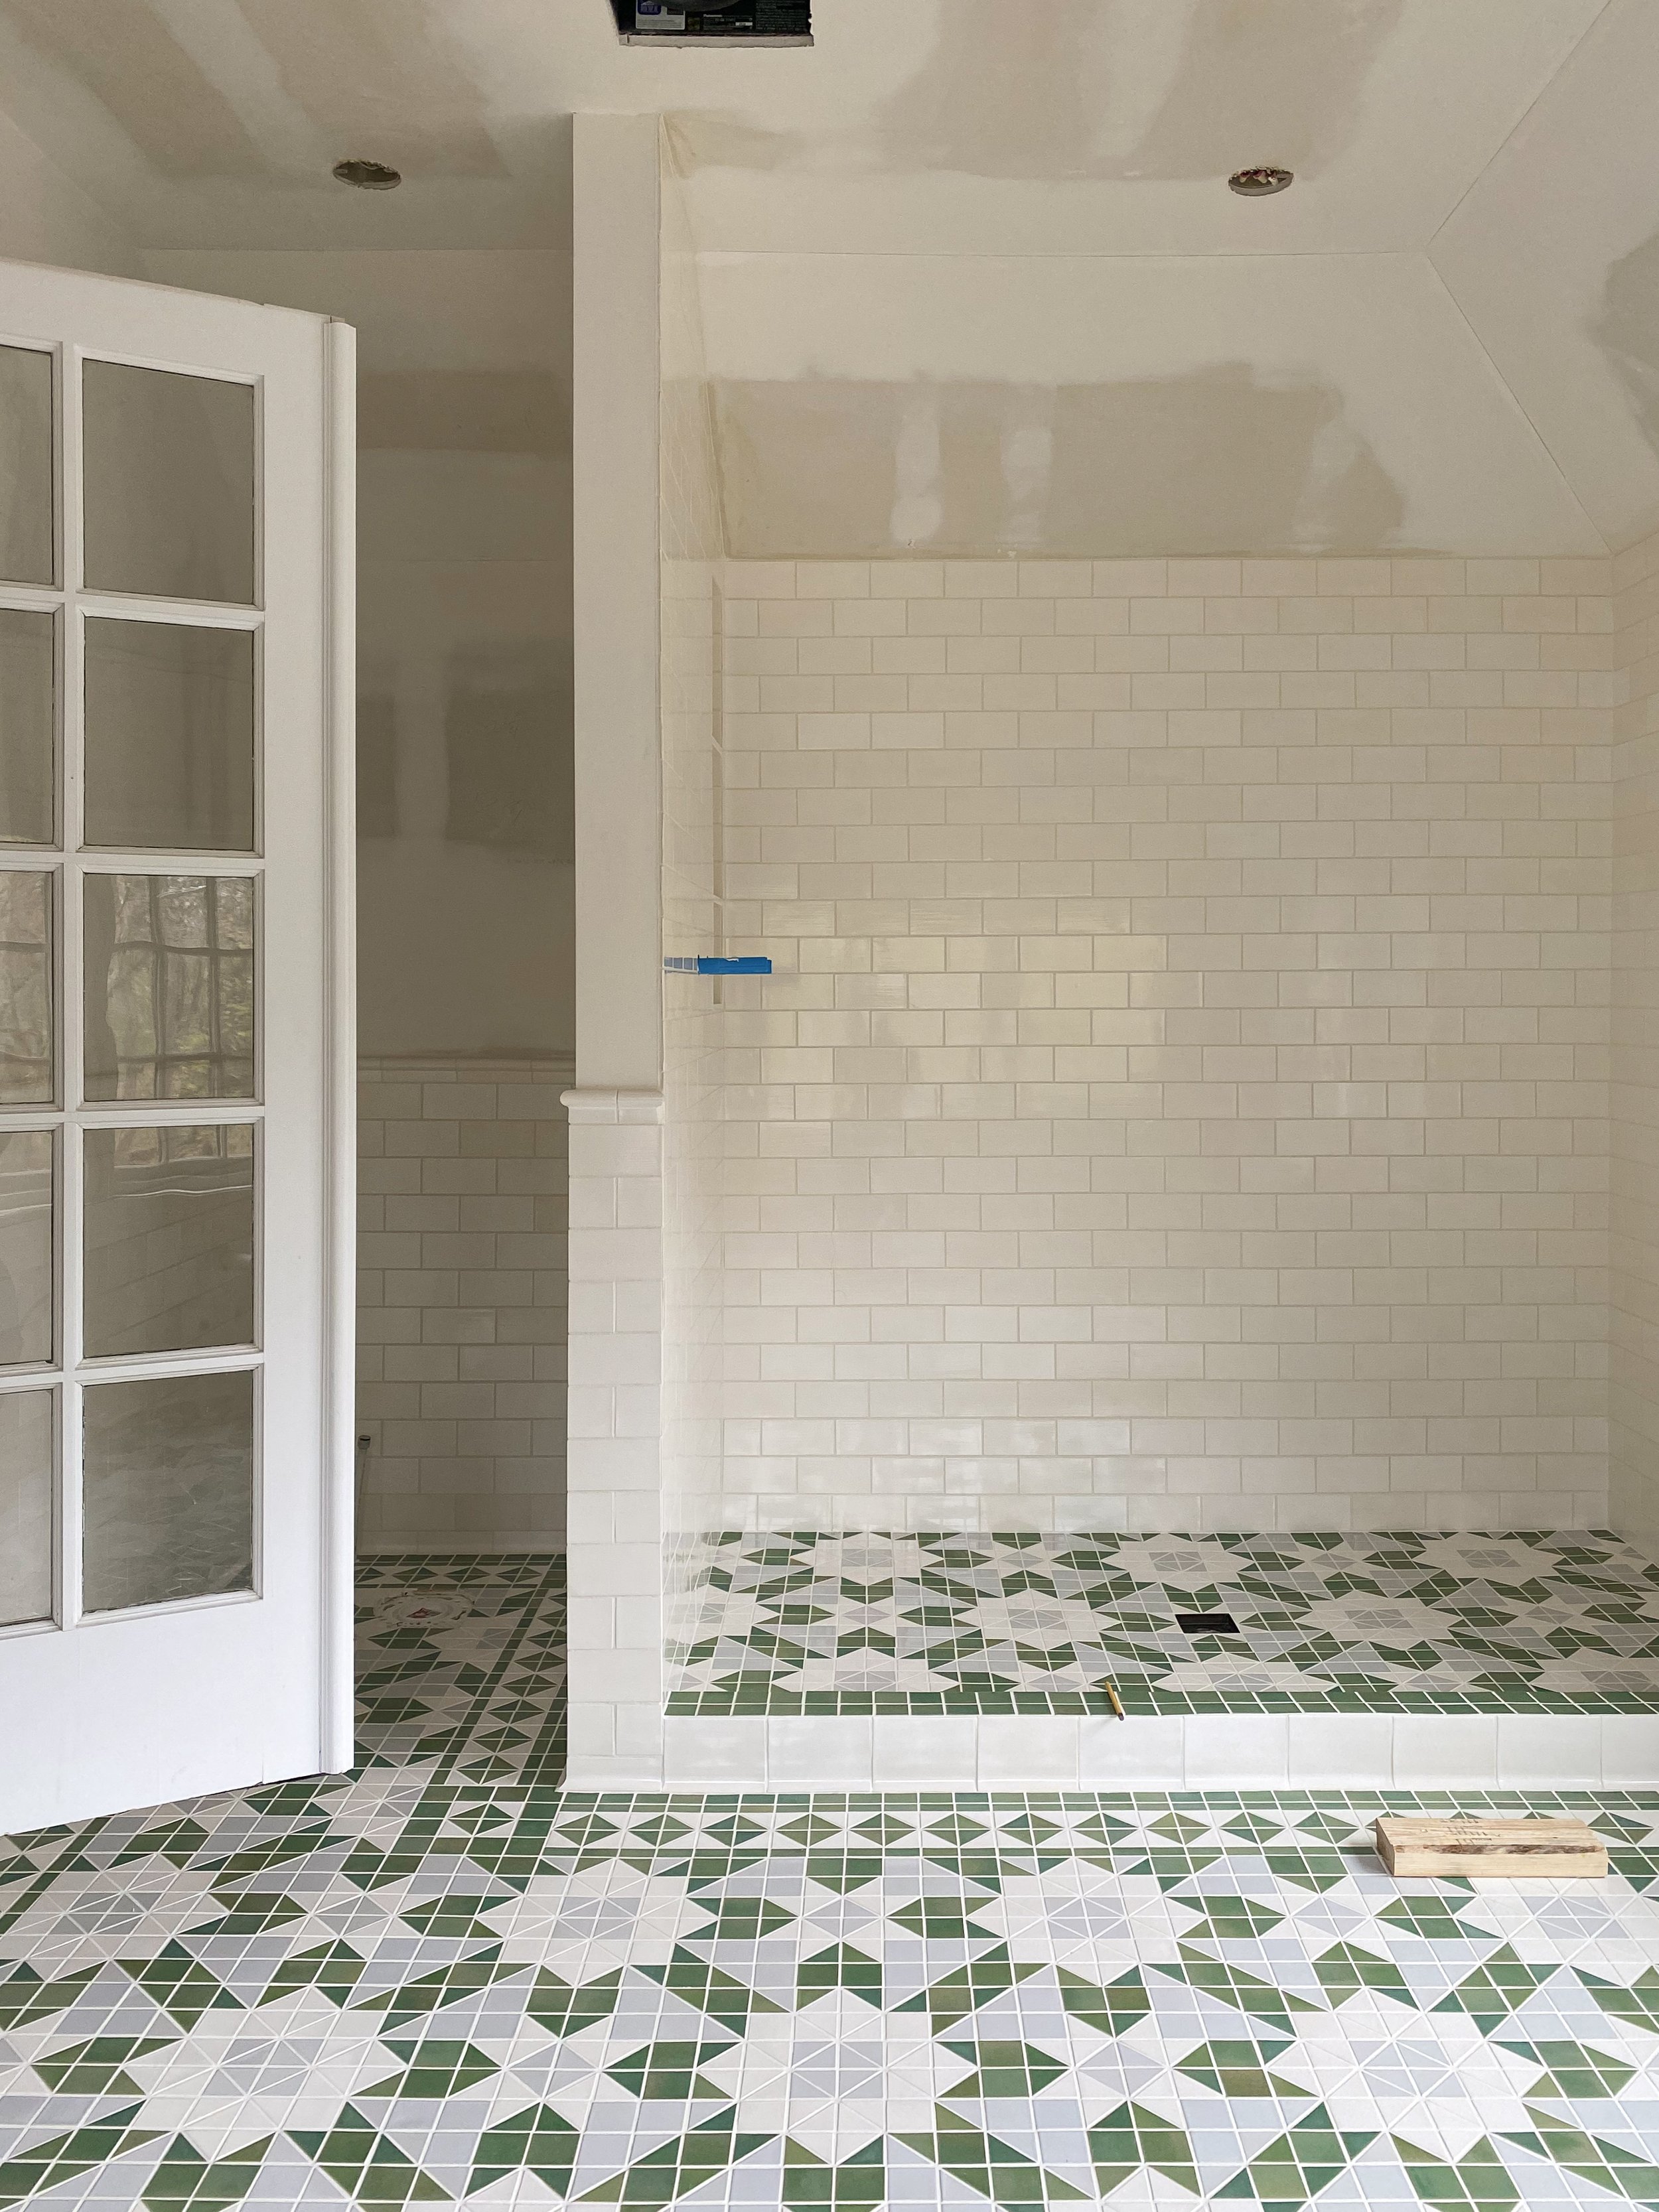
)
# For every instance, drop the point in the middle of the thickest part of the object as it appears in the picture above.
(594, 1105)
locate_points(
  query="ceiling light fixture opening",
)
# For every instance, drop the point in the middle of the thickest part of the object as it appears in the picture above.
(368, 176)
(1261, 183)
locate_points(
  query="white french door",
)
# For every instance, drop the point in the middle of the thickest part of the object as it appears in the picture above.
(175, 1045)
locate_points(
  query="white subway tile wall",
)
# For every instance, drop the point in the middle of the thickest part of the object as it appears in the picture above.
(615, 1614)
(693, 1007)
(462, 1305)
(1182, 1100)
(1634, 1390)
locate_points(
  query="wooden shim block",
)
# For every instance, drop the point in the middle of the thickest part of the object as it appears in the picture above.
(1411, 1845)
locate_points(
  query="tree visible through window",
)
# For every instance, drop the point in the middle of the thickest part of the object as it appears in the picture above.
(170, 987)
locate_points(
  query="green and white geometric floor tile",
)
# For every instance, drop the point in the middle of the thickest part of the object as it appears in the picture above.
(808, 1624)
(461, 1665)
(414, 1985)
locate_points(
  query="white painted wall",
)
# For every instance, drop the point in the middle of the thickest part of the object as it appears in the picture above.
(465, 832)
(1554, 258)
(1123, 405)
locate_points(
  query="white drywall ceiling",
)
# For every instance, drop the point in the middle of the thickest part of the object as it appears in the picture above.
(1507, 141)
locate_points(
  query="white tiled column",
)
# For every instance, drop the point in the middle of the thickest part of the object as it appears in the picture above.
(616, 1109)
(615, 1445)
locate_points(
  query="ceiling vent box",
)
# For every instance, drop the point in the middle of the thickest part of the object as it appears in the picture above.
(714, 22)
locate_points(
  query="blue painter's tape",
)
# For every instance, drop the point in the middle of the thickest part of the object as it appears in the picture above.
(706, 963)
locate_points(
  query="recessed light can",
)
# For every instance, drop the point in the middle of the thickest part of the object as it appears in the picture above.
(368, 176)
(1261, 183)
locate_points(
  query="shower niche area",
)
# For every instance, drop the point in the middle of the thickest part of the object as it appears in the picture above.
(1157, 1285)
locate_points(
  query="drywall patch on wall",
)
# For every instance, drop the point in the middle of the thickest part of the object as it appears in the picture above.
(1213, 461)
(1627, 330)
(129, 59)
(1070, 99)
(384, 64)
(1094, 89)
(509, 734)
(460, 410)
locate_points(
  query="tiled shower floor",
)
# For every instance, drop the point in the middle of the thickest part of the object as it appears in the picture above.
(810, 1624)
(440, 1979)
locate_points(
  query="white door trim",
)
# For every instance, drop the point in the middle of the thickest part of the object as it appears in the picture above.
(340, 1045)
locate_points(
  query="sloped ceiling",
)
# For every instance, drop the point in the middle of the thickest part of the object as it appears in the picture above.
(990, 239)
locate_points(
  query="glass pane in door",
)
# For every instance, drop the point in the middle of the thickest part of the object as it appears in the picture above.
(26, 1268)
(29, 684)
(169, 477)
(26, 1456)
(167, 1497)
(26, 1010)
(27, 522)
(169, 1239)
(169, 987)
(169, 737)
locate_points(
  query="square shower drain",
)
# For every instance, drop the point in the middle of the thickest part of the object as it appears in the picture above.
(1207, 1624)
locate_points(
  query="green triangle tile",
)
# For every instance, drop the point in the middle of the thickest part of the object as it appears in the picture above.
(1314, 1870)
(434, 2068)
(252, 1915)
(862, 1639)
(1229, 1919)
(956, 1995)
(66, 2157)
(1253, 1828)
(1238, 2069)
(740, 1920)
(1246, 1993)
(589, 1828)
(1305, 2159)
(956, 1829)
(677, 2168)
(941, 1919)
(995, 2169)
(1500, 1985)
(1640, 1869)
(1005, 2069)
(1046, 1659)
(1175, 1869)
(809, 2184)
(333, 1968)
(808, 1829)
(366, 2164)
(668, 2071)
(457, 1915)
(1620, 2171)
(840, 1967)
(184, 2181)
(716, 1994)
(1029, 1828)
(1111, 2010)
(1131, 2139)
(26, 1996)
(461, 1978)
(275, 1851)
(885, 1828)
(844, 1871)
(181, 1986)
(566, 2007)
(95, 2067)
(1434, 1917)
(1572, 2070)
(1638, 2002)
(1345, 1969)
(179, 1841)
(535, 2141)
